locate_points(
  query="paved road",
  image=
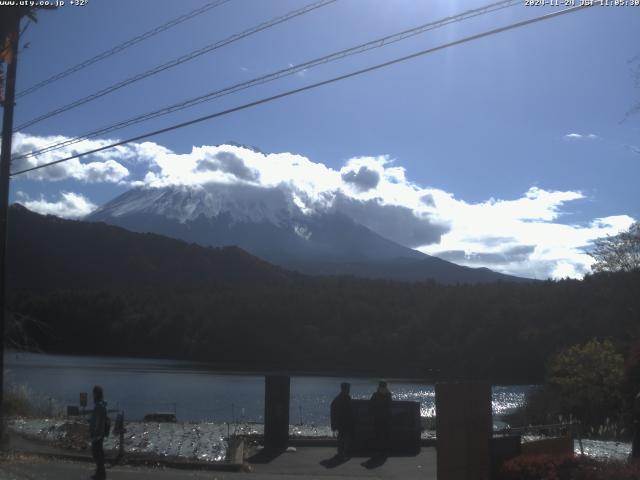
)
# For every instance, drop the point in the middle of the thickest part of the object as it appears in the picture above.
(305, 463)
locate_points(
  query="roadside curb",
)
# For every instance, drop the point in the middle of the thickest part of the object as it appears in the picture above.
(142, 462)
(236, 463)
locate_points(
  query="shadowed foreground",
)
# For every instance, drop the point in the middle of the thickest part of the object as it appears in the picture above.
(306, 462)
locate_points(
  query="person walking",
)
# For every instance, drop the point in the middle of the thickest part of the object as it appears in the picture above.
(342, 419)
(380, 409)
(97, 428)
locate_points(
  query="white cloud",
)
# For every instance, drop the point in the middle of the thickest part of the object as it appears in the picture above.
(70, 205)
(633, 148)
(529, 243)
(521, 236)
(581, 136)
(102, 167)
(525, 235)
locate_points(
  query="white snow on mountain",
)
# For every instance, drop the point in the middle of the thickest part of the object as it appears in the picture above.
(243, 203)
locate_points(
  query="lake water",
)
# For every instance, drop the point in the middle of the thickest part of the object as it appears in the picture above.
(196, 393)
(219, 403)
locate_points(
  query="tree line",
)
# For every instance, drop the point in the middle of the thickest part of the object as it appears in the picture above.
(503, 332)
(94, 289)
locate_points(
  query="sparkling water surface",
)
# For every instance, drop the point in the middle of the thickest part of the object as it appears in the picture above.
(196, 393)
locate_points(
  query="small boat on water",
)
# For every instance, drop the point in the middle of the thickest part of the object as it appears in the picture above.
(162, 417)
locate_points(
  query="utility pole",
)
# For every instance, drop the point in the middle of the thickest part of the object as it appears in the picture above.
(9, 34)
(9, 37)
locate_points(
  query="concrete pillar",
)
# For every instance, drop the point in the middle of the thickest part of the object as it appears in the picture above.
(276, 412)
(464, 428)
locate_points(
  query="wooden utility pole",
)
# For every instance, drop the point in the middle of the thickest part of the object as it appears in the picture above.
(9, 37)
(9, 30)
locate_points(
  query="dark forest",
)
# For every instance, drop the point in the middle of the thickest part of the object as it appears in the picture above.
(95, 289)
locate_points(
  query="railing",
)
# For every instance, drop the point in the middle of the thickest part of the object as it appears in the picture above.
(548, 430)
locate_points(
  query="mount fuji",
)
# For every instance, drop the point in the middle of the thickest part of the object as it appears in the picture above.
(269, 224)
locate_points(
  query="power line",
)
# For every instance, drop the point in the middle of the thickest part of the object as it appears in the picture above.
(122, 46)
(178, 61)
(380, 42)
(377, 43)
(288, 93)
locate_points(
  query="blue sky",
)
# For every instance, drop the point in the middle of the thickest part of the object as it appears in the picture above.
(527, 120)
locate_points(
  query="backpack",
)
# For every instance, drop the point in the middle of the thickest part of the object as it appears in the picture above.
(107, 426)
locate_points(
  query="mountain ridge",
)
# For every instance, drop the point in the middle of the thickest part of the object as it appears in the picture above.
(270, 225)
(49, 252)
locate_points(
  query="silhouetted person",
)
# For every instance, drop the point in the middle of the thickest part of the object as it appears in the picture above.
(380, 408)
(635, 445)
(97, 426)
(342, 419)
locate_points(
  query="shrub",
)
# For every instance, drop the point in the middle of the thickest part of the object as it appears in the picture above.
(539, 467)
(588, 382)
(556, 467)
(16, 402)
(609, 471)
(19, 401)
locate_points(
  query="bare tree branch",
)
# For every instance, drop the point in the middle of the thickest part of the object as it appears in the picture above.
(618, 253)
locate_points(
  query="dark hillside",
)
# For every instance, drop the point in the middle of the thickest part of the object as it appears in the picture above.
(47, 252)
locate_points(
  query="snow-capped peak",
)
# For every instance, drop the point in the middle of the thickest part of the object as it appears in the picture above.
(242, 203)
